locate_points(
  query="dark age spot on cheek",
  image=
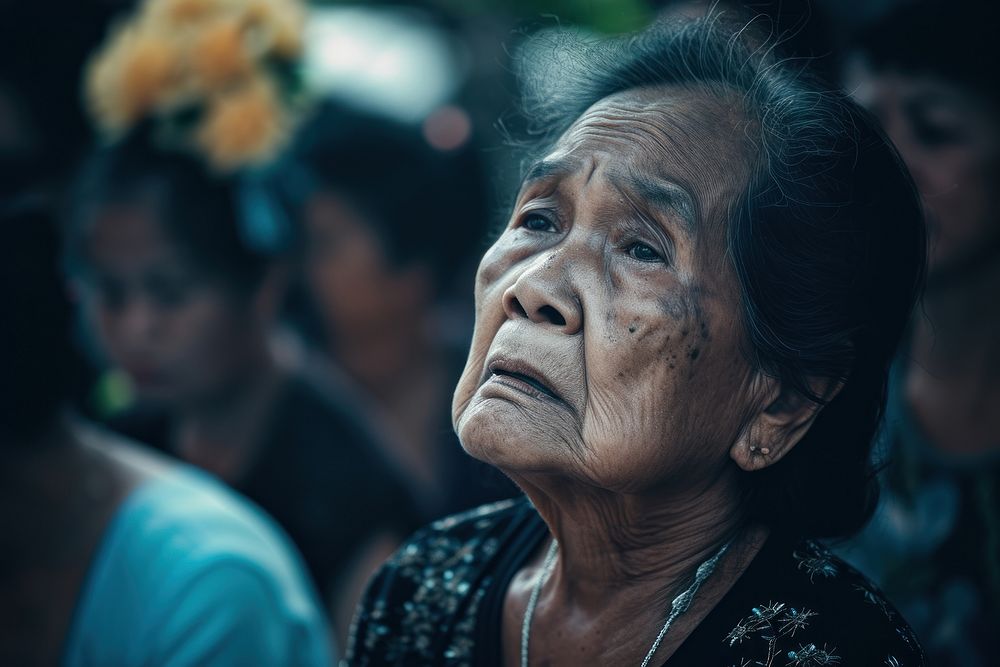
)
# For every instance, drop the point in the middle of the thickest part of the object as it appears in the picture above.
(697, 312)
(675, 306)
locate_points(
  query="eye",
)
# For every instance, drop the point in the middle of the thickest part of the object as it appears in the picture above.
(643, 253)
(536, 222)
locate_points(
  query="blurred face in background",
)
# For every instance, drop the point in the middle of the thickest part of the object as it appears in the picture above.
(351, 278)
(180, 335)
(949, 137)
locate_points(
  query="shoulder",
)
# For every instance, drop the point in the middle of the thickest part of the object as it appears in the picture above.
(803, 602)
(433, 581)
(186, 520)
(191, 570)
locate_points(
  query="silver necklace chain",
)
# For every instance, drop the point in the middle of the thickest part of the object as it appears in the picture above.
(680, 604)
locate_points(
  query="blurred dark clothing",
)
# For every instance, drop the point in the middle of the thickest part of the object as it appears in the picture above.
(934, 542)
(319, 473)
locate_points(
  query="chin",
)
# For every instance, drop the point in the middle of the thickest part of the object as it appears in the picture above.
(506, 435)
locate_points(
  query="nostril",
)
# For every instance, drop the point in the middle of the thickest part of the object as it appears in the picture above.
(518, 308)
(552, 315)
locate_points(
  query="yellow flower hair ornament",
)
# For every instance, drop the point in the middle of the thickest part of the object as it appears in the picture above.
(218, 77)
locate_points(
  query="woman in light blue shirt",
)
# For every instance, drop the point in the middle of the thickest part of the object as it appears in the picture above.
(112, 555)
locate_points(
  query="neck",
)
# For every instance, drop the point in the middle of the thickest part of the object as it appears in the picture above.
(958, 324)
(220, 434)
(643, 547)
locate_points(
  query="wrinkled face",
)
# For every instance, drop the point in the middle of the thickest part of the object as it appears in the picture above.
(180, 336)
(949, 138)
(607, 345)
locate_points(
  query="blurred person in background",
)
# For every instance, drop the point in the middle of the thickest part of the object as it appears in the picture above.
(174, 240)
(112, 554)
(393, 224)
(929, 71)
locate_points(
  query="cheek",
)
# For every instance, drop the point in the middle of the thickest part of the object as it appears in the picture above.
(658, 381)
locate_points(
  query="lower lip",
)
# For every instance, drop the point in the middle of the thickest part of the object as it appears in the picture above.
(518, 385)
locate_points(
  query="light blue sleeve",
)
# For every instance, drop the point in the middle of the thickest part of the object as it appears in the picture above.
(231, 614)
(190, 574)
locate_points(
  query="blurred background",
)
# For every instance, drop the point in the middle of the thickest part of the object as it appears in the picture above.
(296, 329)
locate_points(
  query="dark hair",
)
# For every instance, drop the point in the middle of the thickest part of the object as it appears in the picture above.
(41, 369)
(954, 40)
(229, 227)
(423, 204)
(827, 241)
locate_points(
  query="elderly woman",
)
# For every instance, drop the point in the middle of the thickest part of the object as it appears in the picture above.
(680, 356)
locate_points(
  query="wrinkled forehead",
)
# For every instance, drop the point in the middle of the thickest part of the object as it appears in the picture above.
(695, 139)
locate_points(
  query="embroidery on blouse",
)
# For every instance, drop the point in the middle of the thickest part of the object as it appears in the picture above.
(815, 560)
(774, 622)
(441, 569)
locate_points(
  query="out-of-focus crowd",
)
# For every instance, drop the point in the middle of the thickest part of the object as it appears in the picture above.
(238, 244)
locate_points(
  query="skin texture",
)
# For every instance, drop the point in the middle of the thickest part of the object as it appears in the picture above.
(949, 137)
(611, 287)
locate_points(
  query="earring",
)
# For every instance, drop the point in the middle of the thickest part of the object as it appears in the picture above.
(763, 451)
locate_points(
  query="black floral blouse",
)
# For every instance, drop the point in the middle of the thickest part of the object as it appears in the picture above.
(439, 601)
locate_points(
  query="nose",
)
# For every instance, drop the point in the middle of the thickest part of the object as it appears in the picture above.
(138, 321)
(542, 294)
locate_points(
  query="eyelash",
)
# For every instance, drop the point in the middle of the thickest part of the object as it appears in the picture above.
(656, 259)
(534, 215)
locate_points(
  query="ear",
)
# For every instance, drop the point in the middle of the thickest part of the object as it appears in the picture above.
(782, 418)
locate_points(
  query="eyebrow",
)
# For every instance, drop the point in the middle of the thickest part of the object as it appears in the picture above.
(663, 195)
(542, 169)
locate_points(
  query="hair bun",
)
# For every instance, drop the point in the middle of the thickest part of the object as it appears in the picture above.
(216, 77)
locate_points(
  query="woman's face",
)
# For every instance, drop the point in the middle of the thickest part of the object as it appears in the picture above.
(607, 341)
(179, 336)
(357, 290)
(949, 138)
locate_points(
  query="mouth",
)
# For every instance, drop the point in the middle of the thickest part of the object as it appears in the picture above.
(520, 377)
